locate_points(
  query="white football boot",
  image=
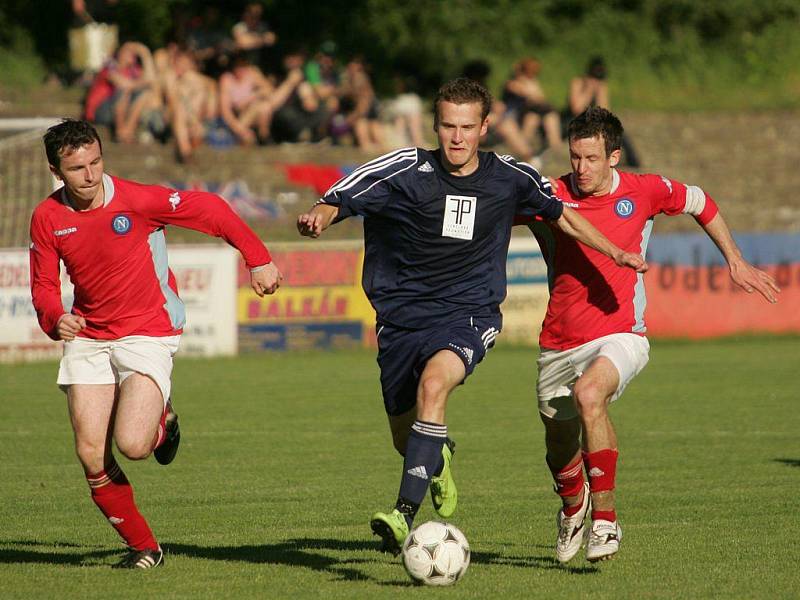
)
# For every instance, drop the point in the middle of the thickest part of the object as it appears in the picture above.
(604, 540)
(572, 532)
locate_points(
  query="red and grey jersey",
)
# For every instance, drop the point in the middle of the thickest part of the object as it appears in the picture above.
(590, 296)
(116, 256)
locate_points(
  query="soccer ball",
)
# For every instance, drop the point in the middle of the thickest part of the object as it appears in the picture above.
(436, 554)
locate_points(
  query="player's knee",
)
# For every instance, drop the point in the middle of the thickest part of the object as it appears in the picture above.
(90, 454)
(433, 391)
(134, 449)
(590, 399)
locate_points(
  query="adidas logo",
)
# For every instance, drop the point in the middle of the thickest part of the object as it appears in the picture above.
(466, 351)
(418, 472)
(115, 520)
(425, 167)
(469, 352)
(596, 472)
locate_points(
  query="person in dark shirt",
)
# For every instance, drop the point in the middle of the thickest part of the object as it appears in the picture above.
(437, 225)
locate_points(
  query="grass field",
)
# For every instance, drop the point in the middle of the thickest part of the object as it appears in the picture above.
(284, 458)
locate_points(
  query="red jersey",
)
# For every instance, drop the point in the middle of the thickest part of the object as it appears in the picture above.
(116, 256)
(590, 296)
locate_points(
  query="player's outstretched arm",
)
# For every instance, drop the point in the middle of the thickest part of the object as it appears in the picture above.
(743, 274)
(265, 279)
(317, 220)
(576, 226)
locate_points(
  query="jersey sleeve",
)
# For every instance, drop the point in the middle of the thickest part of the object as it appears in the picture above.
(45, 276)
(536, 195)
(366, 190)
(666, 196)
(673, 198)
(207, 213)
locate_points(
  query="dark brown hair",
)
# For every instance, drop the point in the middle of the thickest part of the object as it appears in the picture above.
(70, 134)
(463, 91)
(597, 122)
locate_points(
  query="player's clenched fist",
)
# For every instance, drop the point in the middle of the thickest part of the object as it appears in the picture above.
(266, 279)
(69, 325)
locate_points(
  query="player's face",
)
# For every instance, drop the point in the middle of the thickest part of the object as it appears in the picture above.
(81, 170)
(459, 129)
(591, 166)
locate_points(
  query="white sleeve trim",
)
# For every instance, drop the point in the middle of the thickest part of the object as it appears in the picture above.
(695, 200)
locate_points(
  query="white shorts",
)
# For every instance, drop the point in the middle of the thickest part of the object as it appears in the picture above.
(559, 369)
(113, 361)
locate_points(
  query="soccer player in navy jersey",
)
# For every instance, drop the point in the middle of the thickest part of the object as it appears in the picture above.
(593, 337)
(126, 320)
(437, 225)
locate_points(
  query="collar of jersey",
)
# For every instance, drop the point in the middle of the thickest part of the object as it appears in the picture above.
(483, 161)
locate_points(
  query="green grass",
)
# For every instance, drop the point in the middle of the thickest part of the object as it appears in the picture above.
(284, 458)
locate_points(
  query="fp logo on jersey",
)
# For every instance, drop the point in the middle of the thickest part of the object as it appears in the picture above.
(624, 208)
(459, 217)
(121, 224)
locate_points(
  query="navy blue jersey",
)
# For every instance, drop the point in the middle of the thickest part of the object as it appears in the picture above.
(435, 243)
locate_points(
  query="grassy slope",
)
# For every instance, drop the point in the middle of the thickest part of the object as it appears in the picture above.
(285, 456)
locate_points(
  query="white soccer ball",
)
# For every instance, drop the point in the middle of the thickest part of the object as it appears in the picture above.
(436, 553)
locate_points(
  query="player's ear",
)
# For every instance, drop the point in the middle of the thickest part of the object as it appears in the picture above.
(485, 126)
(614, 157)
(56, 173)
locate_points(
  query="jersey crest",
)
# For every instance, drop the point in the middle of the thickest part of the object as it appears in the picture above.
(624, 207)
(121, 224)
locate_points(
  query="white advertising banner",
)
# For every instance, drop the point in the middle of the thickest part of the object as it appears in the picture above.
(206, 277)
(20, 336)
(525, 305)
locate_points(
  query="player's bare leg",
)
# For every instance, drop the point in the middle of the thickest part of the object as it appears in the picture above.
(593, 392)
(139, 411)
(424, 447)
(93, 414)
(90, 410)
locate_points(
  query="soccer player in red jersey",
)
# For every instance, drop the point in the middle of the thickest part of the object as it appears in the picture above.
(592, 342)
(126, 319)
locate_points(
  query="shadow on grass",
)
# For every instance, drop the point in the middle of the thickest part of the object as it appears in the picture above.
(299, 552)
(792, 462)
(302, 552)
(294, 553)
(30, 551)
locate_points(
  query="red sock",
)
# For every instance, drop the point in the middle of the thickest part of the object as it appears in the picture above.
(569, 482)
(601, 466)
(161, 432)
(113, 495)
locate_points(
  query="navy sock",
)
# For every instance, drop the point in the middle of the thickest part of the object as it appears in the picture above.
(423, 460)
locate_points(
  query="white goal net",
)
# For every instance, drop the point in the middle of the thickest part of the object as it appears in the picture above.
(25, 180)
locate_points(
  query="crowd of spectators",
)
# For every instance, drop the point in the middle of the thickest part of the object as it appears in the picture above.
(528, 123)
(227, 87)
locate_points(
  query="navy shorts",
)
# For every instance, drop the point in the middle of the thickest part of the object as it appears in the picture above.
(402, 354)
